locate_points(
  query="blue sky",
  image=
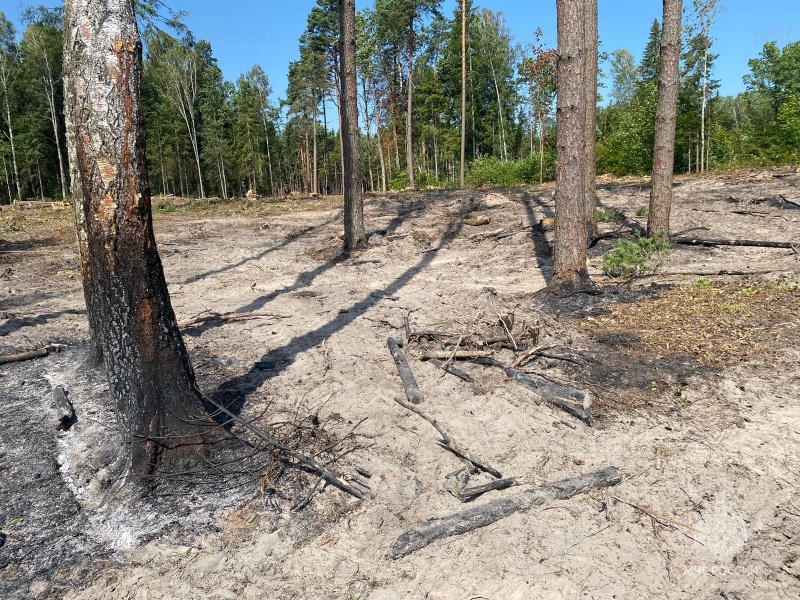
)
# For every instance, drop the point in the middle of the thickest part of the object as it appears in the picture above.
(245, 33)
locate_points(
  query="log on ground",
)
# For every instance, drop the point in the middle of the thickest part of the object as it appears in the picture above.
(10, 358)
(406, 375)
(570, 400)
(720, 242)
(481, 516)
(65, 413)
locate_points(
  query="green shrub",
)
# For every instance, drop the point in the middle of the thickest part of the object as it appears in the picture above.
(642, 211)
(634, 258)
(610, 215)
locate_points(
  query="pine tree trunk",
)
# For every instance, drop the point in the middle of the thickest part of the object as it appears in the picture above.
(664, 144)
(354, 234)
(159, 408)
(409, 140)
(570, 273)
(591, 117)
(463, 92)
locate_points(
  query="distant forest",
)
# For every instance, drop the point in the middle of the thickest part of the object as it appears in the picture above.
(210, 137)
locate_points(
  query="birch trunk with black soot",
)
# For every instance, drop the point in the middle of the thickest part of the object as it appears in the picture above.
(159, 408)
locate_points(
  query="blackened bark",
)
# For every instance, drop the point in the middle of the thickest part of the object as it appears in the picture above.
(570, 272)
(590, 182)
(158, 404)
(664, 144)
(354, 234)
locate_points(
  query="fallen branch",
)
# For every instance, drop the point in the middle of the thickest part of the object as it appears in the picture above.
(222, 318)
(481, 516)
(406, 376)
(10, 358)
(570, 400)
(448, 442)
(719, 242)
(469, 494)
(792, 202)
(65, 413)
(458, 354)
(664, 520)
(452, 370)
(529, 354)
(304, 460)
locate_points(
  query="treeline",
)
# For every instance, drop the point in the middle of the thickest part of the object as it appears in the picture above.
(210, 137)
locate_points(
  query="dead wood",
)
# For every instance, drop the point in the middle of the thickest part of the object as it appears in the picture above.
(720, 242)
(570, 400)
(65, 413)
(448, 442)
(11, 358)
(452, 370)
(481, 516)
(476, 221)
(529, 354)
(406, 375)
(792, 202)
(455, 355)
(308, 462)
(468, 494)
(222, 318)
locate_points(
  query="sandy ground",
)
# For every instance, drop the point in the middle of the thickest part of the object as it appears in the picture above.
(710, 453)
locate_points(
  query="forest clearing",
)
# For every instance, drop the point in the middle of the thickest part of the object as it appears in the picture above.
(692, 369)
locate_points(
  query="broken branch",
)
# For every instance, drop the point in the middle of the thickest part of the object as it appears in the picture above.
(406, 375)
(719, 242)
(481, 516)
(468, 494)
(448, 442)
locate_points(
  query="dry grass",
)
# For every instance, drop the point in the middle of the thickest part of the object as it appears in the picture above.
(718, 323)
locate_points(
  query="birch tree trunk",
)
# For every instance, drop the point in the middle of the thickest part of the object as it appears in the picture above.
(4, 80)
(354, 234)
(664, 144)
(159, 409)
(570, 273)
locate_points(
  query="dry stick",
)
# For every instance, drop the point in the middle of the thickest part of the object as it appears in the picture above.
(792, 202)
(719, 242)
(223, 318)
(468, 494)
(481, 516)
(528, 354)
(452, 370)
(304, 460)
(459, 354)
(448, 442)
(10, 358)
(64, 411)
(571, 400)
(508, 333)
(406, 376)
(664, 520)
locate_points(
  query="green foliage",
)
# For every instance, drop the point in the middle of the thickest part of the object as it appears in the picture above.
(610, 215)
(642, 211)
(492, 171)
(634, 258)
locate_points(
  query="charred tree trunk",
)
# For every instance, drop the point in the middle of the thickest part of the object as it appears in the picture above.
(664, 145)
(159, 408)
(570, 272)
(591, 116)
(354, 234)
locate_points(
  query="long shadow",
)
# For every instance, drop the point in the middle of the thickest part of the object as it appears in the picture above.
(233, 393)
(289, 239)
(305, 278)
(18, 323)
(7, 247)
(540, 243)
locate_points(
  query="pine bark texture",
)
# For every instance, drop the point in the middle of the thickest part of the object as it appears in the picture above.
(569, 270)
(354, 234)
(666, 111)
(157, 401)
(591, 116)
(409, 99)
(463, 90)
